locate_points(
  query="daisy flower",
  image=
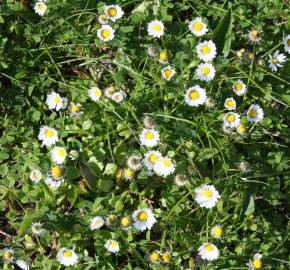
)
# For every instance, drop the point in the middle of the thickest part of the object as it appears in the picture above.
(73, 154)
(103, 19)
(40, 8)
(128, 174)
(75, 108)
(239, 87)
(111, 219)
(166, 257)
(54, 178)
(58, 155)
(254, 36)
(112, 246)
(110, 90)
(155, 28)
(197, 27)
(106, 33)
(126, 222)
(287, 44)
(205, 71)
(163, 57)
(242, 129)
(54, 101)
(256, 263)
(164, 166)
(134, 162)
(206, 50)
(230, 104)
(66, 257)
(95, 93)
(22, 264)
(231, 120)
(8, 255)
(37, 228)
(47, 135)
(143, 219)
(113, 12)
(180, 180)
(240, 52)
(195, 96)
(216, 232)
(35, 175)
(96, 223)
(155, 257)
(150, 158)
(255, 113)
(118, 96)
(276, 61)
(208, 251)
(206, 196)
(167, 73)
(149, 137)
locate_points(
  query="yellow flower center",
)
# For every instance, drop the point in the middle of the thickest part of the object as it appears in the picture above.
(163, 56)
(157, 27)
(56, 100)
(112, 12)
(217, 232)
(49, 133)
(288, 42)
(105, 34)
(125, 221)
(253, 113)
(205, 71)
(112, 218)
(274, 61)
(35, 174)
(75, 108)
(41, 6)
(194, 95)
(62, 152)
(207, 193)
(238, 86)
(166, 257)
(167, 73)
(231, 118)
(153, 158)
(209, 247)
(97, 92)
(114, 243)
(242, 128)
(257, 263)
(142, 216)
(198, 26)
(149, 135)
(129, 172)
(254, 33)
(166, 162)
(205, 49)
(7, 255)
(155, 256)
(118, 174)
(56, 172)
(67, 254)
(230, 103)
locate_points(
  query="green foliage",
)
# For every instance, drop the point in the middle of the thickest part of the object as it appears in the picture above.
(61, 52)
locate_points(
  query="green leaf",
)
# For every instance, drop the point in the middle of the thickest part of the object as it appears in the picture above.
(250, 206)
(222, 35)
(88, 175)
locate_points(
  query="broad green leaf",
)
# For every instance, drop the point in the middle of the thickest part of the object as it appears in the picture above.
(222, 35)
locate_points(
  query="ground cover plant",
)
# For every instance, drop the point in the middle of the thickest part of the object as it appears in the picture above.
(144, 134)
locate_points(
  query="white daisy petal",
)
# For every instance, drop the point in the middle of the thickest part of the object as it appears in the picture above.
(106, 33)
(197, 27)
(231, 120)
(287, 44)
(167, 73)
(205, 72)
(96, 223)
(113, 12)
(112, 246)
(195, 96)
(207, 196)
(255, 113)
(95, 93)
(149, 137)
(150, 158)
(208, 251)
(164, 166)
(40, 8)
(54, 101)
(143, 219)
(67, 257)
(239, 87)
(230, 104)
(155, 28)
(58, 155)
(35, 175)
(206, 50)
(47, 135)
